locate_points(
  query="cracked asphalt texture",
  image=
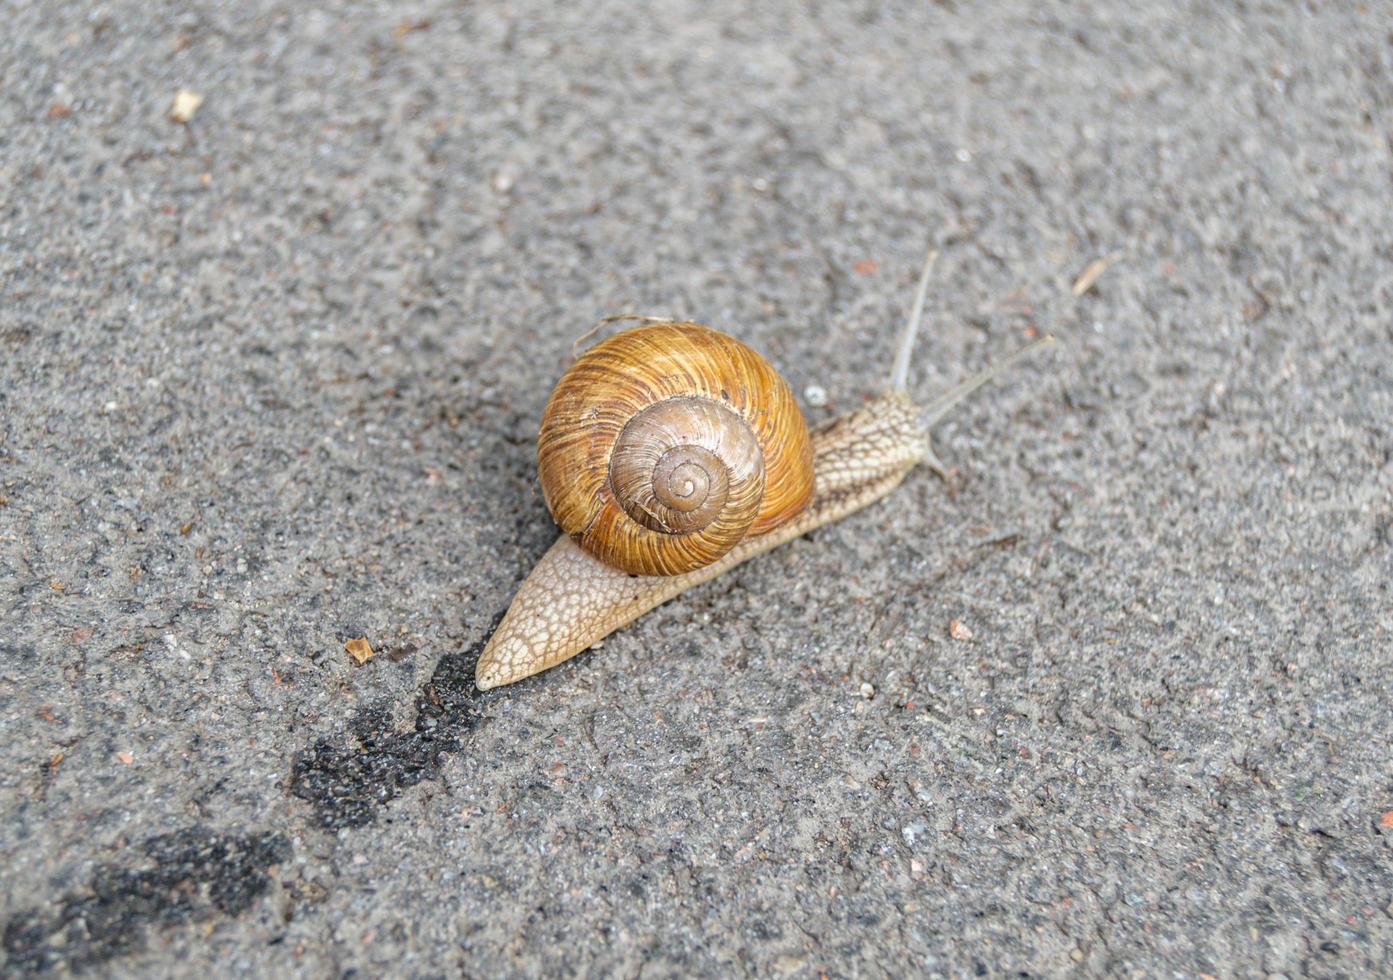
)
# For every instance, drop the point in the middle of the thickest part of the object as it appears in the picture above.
(269, 381)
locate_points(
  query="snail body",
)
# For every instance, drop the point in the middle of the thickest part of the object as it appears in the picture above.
(669, 454)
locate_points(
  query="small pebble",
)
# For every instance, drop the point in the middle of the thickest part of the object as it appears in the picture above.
(186, 103)
(867, 690)
(815, 396)
(911, 832)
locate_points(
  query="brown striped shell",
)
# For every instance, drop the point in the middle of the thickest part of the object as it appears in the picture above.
(665, 445)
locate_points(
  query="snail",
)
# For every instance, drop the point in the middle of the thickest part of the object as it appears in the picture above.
(671, 452)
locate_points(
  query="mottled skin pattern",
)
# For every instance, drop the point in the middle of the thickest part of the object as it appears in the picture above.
(571, 600)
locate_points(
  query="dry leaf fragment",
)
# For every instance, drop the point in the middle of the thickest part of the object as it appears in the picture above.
(410, 26)
(958, 630)
(1091, 274)
(1386, 821)
(360, 650)
(186, 103)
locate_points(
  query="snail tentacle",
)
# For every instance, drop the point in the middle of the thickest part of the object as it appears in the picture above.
(934, 412)
(899, 371)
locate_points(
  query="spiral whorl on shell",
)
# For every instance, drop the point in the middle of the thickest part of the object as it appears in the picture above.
(665, 445)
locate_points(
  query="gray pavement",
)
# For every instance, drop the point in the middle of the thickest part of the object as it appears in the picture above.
(269, 382)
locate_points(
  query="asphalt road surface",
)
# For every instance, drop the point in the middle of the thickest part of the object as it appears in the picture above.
(270, 378)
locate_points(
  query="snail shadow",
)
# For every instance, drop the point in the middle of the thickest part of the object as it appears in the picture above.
(348, 784)
(503, 483)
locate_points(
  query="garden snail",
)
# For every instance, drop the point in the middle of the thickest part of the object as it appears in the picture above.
(670, 453)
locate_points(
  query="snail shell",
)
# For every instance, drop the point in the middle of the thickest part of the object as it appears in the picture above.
(664, 446)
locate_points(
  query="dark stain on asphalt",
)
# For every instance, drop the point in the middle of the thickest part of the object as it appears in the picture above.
(192, 874)
(348, 784)
(196, 874)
